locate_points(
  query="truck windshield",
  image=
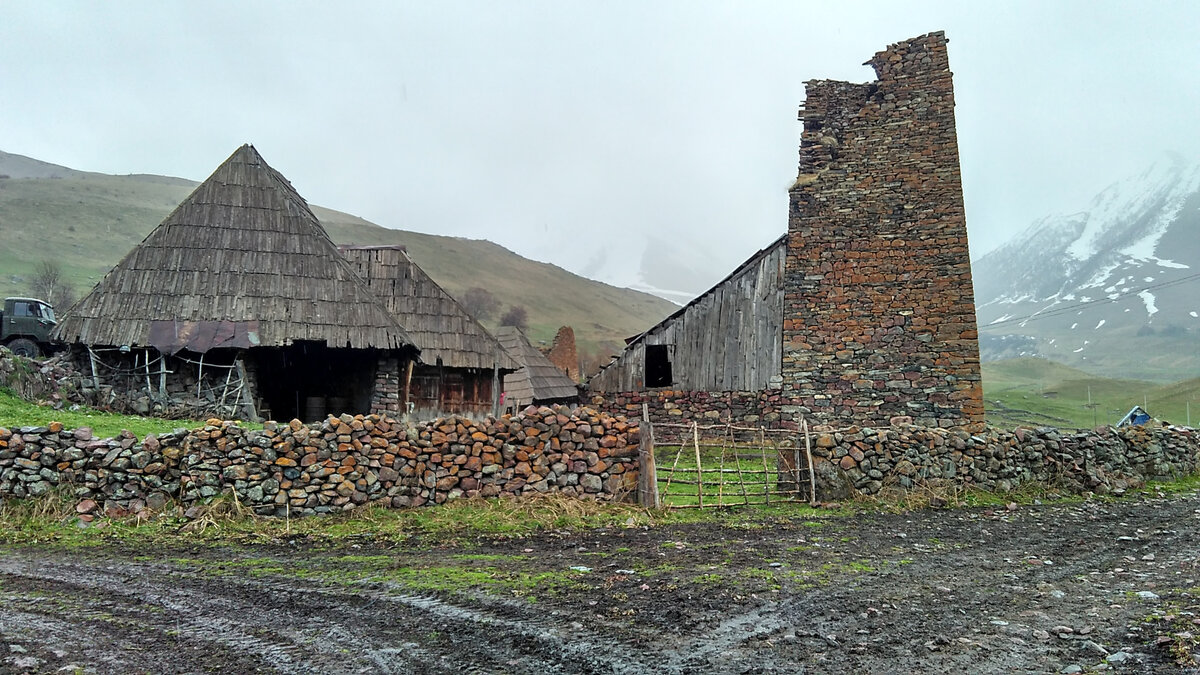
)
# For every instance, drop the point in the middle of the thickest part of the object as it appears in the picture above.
(48, 313)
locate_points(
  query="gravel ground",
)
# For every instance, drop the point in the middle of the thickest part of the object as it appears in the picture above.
(1044, 588)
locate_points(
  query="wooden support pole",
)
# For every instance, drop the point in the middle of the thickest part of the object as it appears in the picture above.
(648, 471)
(246, 395)
(200, 379)
(762, 446)
(95, 377)
(162, 375)
(496, 384)
(699, 465)
(149, 388)
(407, 387)
(812, 475)
(738, 462)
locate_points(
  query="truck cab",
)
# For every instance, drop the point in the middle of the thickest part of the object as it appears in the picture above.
(25, 326)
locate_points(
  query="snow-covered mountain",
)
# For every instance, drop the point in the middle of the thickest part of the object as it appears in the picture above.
(1114, 289)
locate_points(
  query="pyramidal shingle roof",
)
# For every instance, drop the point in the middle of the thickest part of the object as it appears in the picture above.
(243, 251)
(538, 379)
(438, 324)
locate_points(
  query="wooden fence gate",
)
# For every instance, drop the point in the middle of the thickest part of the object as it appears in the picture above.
(723, 465)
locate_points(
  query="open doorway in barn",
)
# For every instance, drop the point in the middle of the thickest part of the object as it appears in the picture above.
(307, 380)
(658, 366)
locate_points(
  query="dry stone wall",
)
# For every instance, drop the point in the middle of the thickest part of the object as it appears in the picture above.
(879, 315)
(866, 460)
(768, 408)
(298, 469)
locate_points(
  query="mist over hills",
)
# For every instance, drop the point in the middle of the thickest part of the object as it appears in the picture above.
(1113, 289)
(87, 221)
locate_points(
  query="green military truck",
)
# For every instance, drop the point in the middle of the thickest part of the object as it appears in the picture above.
(25, 326)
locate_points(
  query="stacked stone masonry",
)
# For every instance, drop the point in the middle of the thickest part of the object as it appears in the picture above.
(866, 460)
(297, 469)
(879, 315)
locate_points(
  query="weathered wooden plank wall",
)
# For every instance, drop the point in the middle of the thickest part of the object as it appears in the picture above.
(729, 339)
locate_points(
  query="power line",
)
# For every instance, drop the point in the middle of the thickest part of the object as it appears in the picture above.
(1042, 314)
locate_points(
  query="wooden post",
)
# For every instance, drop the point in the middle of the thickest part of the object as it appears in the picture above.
(245, 395)
(149, 388)
(407, 386)
(95, 377)
(699, 466)
(762, 447)
(648, 471)
(738, 462)
(200, 381)
(812, 475)
(162, 375)
(496, 385)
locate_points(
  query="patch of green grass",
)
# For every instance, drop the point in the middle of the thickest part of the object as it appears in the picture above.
(16, 412)
(1038, 392)
(1183, 484)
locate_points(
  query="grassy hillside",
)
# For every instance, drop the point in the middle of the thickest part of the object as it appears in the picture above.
(88, 221)
(1040, 392)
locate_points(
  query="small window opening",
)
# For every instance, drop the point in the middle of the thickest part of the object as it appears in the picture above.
(658, 366)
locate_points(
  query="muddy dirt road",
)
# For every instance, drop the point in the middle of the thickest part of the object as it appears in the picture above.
(1033, 589)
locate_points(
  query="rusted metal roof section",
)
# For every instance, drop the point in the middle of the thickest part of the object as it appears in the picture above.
(243, 247)
(437, 323)
(538, 379)
(172, 337)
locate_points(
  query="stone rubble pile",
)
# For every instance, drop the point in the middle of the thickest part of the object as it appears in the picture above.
(298, 469)
(121, 386)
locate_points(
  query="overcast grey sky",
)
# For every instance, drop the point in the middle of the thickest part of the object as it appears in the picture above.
(517, 121)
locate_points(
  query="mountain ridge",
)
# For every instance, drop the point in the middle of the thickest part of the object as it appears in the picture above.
(1111, 288)
(92, 219)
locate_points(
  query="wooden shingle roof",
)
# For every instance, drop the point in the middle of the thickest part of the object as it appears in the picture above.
(538, 379)
(437, 323)
(243, 252)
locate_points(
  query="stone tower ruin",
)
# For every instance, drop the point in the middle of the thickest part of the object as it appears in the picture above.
(879, 314)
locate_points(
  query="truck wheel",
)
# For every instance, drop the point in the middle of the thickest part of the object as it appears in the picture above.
(26, 348)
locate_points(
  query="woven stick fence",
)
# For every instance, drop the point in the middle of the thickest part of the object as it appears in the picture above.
(725, 465)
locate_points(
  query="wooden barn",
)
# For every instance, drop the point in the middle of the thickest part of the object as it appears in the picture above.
(538, 382)
(728, 339)
(240, 294)
(462, 365)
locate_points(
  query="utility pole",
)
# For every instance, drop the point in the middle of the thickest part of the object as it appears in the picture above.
(1095, 421)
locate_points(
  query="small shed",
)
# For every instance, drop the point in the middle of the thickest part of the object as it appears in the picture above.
(462, 365)
(1136, 417)
(538, 382)
(238, 303)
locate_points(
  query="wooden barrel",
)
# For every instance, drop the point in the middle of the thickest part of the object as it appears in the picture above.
(314, 408)
(338, 405)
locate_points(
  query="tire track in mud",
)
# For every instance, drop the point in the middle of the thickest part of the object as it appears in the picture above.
(945, 591)
(975, 603)
(343, 632)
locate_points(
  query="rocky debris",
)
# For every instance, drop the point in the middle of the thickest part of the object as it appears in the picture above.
(339, 464)
(37, 380)
(121, 386)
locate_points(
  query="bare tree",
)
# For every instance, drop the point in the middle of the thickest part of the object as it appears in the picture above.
(516, 316)
(480, 303)
(49, 284)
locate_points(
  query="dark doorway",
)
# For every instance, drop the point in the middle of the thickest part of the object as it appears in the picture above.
(307, 380)
(658, 366)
